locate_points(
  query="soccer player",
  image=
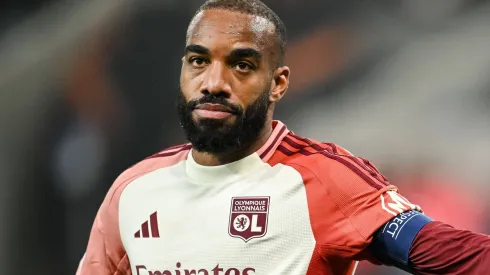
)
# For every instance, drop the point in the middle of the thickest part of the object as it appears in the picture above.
(248, 196)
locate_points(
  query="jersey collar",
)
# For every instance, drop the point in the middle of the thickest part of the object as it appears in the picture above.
(239, 169)
(278, 133)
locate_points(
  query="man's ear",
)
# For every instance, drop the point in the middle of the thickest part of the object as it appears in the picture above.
(280, 83)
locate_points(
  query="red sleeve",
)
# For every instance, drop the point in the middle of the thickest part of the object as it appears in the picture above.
(441, 249)
(105, 253)
(349, 200)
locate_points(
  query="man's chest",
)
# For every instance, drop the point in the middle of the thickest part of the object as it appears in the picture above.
(255, 225)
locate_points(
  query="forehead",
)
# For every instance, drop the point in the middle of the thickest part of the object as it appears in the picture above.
(211, 27)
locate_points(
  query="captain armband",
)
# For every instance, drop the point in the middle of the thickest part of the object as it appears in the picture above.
(392, 242)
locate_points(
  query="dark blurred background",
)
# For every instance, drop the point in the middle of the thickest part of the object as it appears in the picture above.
(87, 89)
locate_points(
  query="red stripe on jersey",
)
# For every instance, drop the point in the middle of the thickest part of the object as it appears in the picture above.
(174, 147)
(334, 148)
(346, 162)
(373, 172)
(285, 150)
(362, 163)
(166, 152)
(296, 145)
(370, 165)
(273, 143)
(331, 147)
(154, 225)
(144, 230)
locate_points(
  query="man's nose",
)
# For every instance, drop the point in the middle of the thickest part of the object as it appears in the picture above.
(215, 80)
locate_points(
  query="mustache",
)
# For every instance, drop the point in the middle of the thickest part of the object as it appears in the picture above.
(211, 99)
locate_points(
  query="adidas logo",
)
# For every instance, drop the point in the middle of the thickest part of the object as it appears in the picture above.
(152, 224)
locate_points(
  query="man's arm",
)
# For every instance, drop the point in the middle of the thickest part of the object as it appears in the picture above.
(441, 249)
(417, 244)
(105, 253)
(374, 222)
(357, 214)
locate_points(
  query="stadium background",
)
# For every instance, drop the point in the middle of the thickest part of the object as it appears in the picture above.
(87, 88)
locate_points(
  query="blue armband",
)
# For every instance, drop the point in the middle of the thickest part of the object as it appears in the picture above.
(392, 243)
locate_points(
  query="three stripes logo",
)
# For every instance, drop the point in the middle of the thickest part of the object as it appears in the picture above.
(148, 225)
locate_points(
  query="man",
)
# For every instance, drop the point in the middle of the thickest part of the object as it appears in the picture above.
(247, 196)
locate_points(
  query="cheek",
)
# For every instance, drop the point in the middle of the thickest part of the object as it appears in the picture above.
(251, 95)
(187, 87)
(189, 82)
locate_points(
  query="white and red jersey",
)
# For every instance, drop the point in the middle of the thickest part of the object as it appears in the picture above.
(296, 206)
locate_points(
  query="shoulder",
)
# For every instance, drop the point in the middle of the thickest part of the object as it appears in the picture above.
(328, 162)
(343, 192)
(299, 149)
(107, 219)
(162, 159)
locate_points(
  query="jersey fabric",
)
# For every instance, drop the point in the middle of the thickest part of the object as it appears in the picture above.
(296, 206)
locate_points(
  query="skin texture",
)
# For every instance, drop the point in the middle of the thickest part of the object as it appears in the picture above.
(231, 56)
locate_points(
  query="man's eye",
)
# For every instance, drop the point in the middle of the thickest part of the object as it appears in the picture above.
(243, 66)
(197, 61)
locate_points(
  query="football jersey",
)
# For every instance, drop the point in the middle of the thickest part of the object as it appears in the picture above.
(296, 206)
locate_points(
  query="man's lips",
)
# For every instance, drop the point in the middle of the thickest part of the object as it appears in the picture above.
(214, 107)
(216, 111)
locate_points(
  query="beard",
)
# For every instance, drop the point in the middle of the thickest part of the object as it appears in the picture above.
(220, 136)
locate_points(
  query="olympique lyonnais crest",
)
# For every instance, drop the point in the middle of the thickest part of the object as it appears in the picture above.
(248, 217)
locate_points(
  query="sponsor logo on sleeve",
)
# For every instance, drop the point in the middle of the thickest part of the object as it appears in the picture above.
(395, 204)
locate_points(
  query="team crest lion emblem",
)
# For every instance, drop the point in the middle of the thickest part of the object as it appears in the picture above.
(248, 217)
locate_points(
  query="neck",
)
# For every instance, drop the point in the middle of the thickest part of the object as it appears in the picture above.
(207, 159)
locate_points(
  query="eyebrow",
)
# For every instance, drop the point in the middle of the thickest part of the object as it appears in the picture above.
(236, 53)
(197, 49)
(245, 52)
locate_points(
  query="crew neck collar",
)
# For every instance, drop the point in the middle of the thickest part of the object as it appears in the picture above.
(239, 169)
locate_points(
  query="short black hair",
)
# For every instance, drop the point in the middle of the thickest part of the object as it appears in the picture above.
(255, 8)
